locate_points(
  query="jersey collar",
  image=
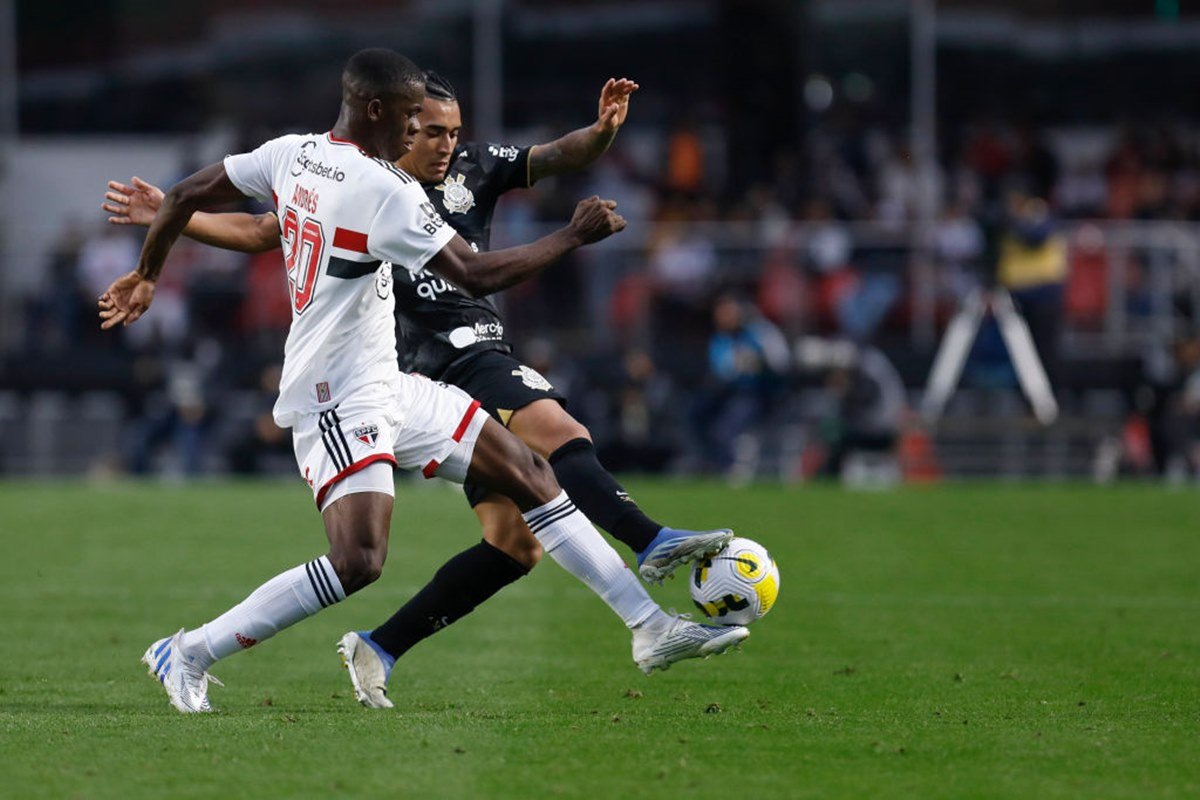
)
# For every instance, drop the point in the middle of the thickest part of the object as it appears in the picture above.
(336, 140)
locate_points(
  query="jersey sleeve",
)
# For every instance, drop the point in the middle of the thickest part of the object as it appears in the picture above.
(506, 166)
(408, 230)
(254, 173)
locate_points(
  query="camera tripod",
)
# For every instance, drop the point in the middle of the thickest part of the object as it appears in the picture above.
(956, 346)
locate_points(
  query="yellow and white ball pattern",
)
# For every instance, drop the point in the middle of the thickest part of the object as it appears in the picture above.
(736, 586)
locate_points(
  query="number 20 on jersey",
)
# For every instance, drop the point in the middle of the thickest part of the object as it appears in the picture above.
(304, 247)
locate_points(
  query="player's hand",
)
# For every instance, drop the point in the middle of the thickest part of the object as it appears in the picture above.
(132, 205)
(125, 300)
(614, 103)
(596, 219)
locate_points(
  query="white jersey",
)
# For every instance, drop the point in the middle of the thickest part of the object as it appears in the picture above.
(341, 214)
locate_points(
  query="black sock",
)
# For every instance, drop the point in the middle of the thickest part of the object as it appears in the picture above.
(462, 583)
(598, 495)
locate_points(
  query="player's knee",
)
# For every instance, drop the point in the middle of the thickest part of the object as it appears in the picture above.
(512, 469)
(526, 478)
(517, 543)
(531, 553)
(537, 477)
(358, 567)
(574, 429)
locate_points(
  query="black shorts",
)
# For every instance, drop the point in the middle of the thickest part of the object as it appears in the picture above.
(502, 385)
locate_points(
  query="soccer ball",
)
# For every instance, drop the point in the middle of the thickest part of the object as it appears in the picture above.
(736, 586)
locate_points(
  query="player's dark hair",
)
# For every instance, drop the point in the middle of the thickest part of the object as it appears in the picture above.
(378, 71)
(439, 88)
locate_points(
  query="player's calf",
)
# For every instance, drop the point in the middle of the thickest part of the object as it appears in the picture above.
(505, 530)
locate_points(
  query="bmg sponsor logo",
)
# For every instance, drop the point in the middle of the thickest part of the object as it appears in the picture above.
(433, 220)
(506, 153)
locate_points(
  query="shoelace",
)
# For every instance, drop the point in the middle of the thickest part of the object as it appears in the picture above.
(205, 678)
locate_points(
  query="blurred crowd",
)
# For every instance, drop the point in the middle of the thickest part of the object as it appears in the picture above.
(684, 346)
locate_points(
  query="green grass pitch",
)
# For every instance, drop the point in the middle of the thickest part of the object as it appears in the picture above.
(963, 641)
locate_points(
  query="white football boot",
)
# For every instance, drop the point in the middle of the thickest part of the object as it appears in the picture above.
(659, 648)
(673, 547)
(185, 682)
(369, 669)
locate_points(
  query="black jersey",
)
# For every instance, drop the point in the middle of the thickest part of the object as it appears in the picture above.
(437, 323)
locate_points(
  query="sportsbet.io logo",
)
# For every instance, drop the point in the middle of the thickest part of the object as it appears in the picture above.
(306, 164)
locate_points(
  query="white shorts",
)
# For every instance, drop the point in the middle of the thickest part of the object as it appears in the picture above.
(413, 423)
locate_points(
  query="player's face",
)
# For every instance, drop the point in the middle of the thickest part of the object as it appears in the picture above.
(400, 116)
(439, 125)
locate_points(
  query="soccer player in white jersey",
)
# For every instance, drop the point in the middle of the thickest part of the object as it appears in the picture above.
(344, 210)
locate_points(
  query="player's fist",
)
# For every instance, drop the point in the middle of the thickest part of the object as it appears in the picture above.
(596, 219)
(125, 300)
(132, 204)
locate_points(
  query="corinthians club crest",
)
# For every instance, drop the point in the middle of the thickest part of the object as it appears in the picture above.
(532, 378)
(457, 198)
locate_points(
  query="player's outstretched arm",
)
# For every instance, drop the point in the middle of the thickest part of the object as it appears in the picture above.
(580, 148)
(129, 296)
(481, 274)
(137, 203)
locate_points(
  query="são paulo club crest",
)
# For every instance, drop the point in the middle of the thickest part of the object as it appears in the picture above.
(367, 434)
(457, 198)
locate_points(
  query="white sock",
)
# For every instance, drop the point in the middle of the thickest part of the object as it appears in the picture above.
(279, 603)
(570, 539)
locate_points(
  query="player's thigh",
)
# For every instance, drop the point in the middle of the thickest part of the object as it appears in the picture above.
(437, 428)
(360, 520)
(545, 426)
(511, 391)
(502, 463)
(442, 432)
(504, 528)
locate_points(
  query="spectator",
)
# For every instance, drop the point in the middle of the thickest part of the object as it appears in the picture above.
(683, 265)
(1124, 173)
(870, 408)
(643, 417)
(747, 356)
(261, 438)
(856, 301)
(1087, 285)
(1184, 425)
(179, 416)
(63, 311)
(958, 247)
(685, 160)
(1033, 267)
(104, 256)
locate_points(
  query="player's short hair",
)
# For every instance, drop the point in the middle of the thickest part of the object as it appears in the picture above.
(439, 88)
(378, 71)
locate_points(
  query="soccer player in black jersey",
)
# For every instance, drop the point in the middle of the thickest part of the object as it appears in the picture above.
(448, 335)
